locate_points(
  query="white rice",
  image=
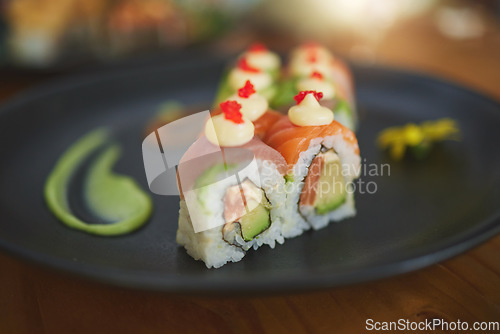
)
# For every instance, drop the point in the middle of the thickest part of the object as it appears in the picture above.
(317, 222)
(210, 246)
(302, 218)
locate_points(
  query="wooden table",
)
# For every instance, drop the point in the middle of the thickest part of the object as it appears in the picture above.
(36, 300)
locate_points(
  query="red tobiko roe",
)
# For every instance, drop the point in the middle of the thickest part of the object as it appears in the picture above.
(302, 95)
(317, 75)
(245, 66)
(312, 55)
(257, 47)
(247, 90)
(231, 110)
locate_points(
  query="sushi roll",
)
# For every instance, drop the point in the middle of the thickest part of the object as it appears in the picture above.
(323, 159)
(232, 191)
(313, 67)
(257, 64)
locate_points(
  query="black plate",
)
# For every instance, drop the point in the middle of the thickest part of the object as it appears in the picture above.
(422, 213)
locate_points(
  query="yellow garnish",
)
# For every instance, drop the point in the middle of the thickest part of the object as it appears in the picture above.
(413, 134)
(417, 137)
(441, 129)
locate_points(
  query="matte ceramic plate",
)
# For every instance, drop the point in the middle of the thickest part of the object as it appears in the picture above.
(422, 213)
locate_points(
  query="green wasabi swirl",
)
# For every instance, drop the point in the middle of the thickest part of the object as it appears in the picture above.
(112, 197)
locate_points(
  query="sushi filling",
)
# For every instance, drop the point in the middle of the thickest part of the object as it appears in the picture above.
(247, 218)
(324, 185)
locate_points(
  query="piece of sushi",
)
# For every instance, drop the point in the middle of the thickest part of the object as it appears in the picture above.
(257, 64)
(313, 67)
(232, 192)
(323, 160)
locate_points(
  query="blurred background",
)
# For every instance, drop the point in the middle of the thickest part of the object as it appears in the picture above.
(458, 39)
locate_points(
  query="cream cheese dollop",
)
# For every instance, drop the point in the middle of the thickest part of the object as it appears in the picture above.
(302, 68)
(311, 58)
(253, 105)
(310, 113)
(259, 56)
(318, 84)
(304, 51)
(238, 77)
(263, 59)
(229, 129)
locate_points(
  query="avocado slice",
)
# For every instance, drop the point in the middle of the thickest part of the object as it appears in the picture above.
(285, 92)
(331, 192)
(254, 219)
(255, 222)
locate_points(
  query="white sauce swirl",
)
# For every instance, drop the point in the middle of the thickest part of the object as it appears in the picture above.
(319, 85)
(310, 113)
(223, 132)
(238, 77)
(252, 107)
(264, 60)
